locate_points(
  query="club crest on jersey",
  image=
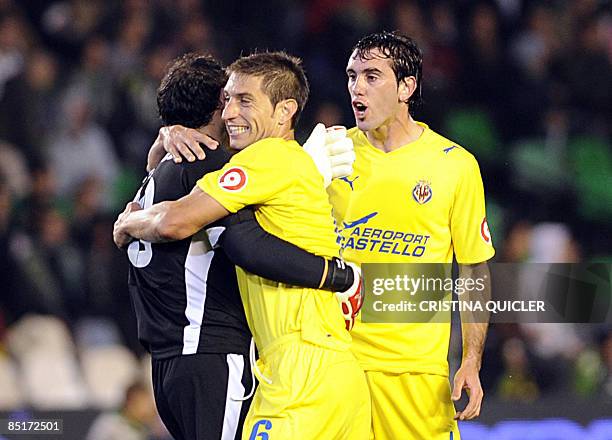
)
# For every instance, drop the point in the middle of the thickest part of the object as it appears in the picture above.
(234, 179)
(484, 231)
(422, 192)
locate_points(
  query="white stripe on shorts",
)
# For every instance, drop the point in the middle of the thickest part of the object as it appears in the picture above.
(235, 389)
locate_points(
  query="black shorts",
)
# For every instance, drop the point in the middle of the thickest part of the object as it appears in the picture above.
(196, 395)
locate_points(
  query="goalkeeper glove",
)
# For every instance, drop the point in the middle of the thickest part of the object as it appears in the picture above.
(331, 151)
(351, 299)
(315, 147)
(340, 151)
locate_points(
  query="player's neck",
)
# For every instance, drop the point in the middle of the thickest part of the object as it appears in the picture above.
(287, 134)
(216, 131)
(395, 134)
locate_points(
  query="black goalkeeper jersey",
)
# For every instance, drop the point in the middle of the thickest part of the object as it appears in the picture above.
(185, 294)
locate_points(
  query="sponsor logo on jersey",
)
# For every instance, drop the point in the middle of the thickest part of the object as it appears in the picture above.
(355, 235)
(349, 181)
(449, 149)
(360, 221)
(256, 434)
(484, 231)
(348, 225)
(422, 192)
(234, 179)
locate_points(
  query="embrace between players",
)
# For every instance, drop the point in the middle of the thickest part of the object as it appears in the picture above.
(263, 206)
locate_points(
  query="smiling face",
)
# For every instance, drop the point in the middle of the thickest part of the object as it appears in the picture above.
(249, 115)
(375, 94)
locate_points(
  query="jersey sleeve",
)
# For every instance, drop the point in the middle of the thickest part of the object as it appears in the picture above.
(469, 229)
(249, 246)
(191, 172)
(254, 176)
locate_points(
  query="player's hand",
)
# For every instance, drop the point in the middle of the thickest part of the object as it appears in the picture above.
(467, 378)
(351, 299)
(331, 151)
(120, 237)
(340, 151)
(315, 147)
(182, 142)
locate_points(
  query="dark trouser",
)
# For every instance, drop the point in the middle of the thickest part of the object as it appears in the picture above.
(196, 395)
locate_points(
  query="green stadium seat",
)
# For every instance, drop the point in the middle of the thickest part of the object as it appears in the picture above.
(474, 130)
(536, 169)
(591, 163)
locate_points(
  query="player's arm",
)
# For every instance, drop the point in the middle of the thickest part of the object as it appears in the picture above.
(473, 247)
(251, 247)
(473, 332)
(180, 142)
(330, 149)
(167, 221)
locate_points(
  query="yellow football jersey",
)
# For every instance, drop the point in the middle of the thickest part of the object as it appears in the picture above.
(282, 181)
(417, 204)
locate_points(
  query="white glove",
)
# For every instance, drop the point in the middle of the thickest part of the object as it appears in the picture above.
(331, 151)
(315, 147)
(340, 151)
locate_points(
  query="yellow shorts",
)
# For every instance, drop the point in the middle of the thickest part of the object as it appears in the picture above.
(411, 407)
(315, 393)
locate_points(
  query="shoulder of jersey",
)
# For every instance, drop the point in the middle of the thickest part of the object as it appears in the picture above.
(167, 165)
(214, 159)
(268, 143)
(353, 132)
(450, 150)
(270, 148)
(357, 136)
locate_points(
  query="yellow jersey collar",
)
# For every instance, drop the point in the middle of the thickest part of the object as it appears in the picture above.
(421, 140)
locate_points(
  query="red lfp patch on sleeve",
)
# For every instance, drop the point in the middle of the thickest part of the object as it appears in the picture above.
(484, 231)
(234, 179)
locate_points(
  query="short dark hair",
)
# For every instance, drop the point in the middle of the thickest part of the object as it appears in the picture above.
(405, 55)
(190, 92)
(283, 77)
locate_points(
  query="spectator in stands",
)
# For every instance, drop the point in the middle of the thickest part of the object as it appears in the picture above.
(82, 148)
(132, 422)
(517, 382)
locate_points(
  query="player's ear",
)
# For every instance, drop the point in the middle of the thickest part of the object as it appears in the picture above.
(285, 110)
(406, 88)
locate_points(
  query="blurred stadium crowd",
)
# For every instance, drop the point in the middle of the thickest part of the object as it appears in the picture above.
(525, 85)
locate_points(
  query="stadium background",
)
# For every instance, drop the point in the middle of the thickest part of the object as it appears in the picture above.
(525, 85)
